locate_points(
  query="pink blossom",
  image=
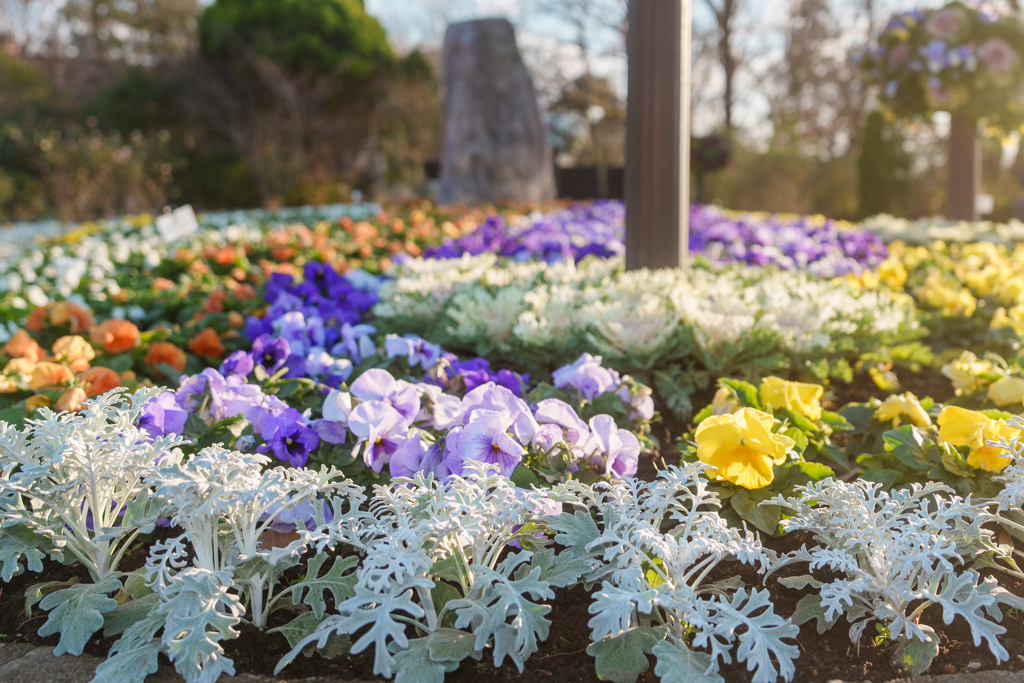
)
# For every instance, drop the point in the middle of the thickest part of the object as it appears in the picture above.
(997, 55)
(946, 23)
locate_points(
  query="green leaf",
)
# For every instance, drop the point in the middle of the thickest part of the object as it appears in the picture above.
(77, 613)
(623, 658)
(836, 421)
(170, 373)
(764, 517)
(809, 608)
(524, 477)
(679, 664)
(957, 464)
(441, 594)
(124, 616)
(298, 628)
(859, 415)
(913, 656)
(801, 422)
(884, 477)
(335, 582)
(746, 393)
(135, 585)
(449, 569)
(798, 437)
(836, 455)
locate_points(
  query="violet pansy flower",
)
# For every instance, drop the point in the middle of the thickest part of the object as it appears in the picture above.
(270, 353)
(380, 430)
(378, 385)
(162, 415)
(616, 450)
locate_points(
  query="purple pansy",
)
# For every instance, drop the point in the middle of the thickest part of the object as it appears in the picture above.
(270, 353)
(616, 450)
(162, 415)
(486, 439)
(380, 430)
(378, 385)
(238, 363)
(415, 350)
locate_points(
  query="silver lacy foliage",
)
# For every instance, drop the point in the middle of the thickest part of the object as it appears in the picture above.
(654, 597)
(897, 550)
(422, 539)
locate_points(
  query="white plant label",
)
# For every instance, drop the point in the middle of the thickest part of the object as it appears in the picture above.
(177, 224)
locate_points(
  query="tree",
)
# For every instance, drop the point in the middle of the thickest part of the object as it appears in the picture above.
(335, 37)
(726, 13)
(142, 32)
(883, 168)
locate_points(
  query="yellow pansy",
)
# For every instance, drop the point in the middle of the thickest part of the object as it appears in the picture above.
(968, 373)
(972, 429)
(724, 402)
(1014, 319)
(741, 447)
(951, 300)
(1007, 391)
(796, 396)
(892, 273)
(896, 407)
(37, 401)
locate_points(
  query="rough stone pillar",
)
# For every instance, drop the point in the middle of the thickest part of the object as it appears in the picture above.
(495, 147)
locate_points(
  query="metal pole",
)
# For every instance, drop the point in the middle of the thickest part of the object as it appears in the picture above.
(658, 134)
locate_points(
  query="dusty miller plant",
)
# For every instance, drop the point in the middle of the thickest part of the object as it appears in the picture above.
(899, 553)
(655, 597)
(198, 586)
(1010, 499)
(435, 560)
(74, 486)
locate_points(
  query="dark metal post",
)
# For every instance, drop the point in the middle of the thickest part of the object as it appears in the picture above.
(658, 134)
(964, 169)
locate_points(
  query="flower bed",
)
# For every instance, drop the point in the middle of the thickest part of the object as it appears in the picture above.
(442, 469)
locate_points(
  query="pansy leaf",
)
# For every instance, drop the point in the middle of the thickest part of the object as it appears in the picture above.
(745, 392)
(764, 517)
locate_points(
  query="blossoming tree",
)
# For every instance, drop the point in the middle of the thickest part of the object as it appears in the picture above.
(961, 59)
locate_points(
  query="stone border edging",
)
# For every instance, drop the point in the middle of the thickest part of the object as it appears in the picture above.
(23, 663)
